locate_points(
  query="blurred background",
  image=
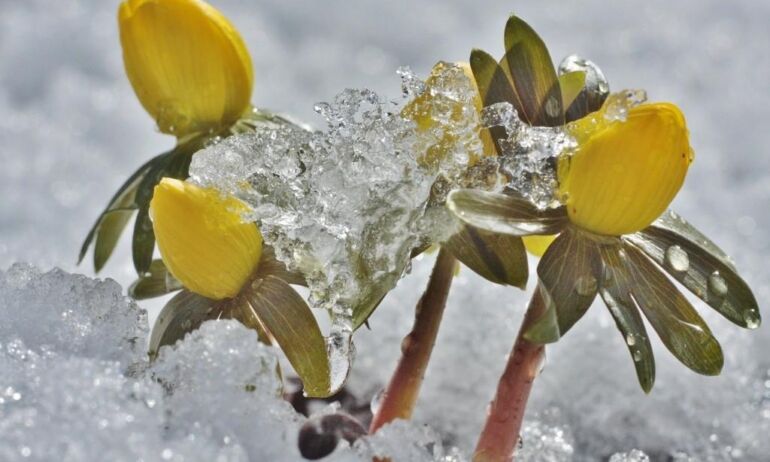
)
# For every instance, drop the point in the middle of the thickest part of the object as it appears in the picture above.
(71, 130)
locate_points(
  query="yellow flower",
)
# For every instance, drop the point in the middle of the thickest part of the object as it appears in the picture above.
(624, 174)
(421, 111)
(202, 239)
(187, 63)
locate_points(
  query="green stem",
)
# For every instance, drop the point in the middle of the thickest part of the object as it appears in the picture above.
(506, 411)
(400, 396)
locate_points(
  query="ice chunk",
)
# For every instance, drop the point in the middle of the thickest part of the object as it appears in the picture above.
(529, 155)
(71, 314)
(346, 205)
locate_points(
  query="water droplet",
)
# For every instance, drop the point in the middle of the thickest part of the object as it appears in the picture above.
(637, 355)
(340, 349)
(586, 285)
(376, 401)
(717, 284)
(631, 339)
(752, 318)
(677, 258)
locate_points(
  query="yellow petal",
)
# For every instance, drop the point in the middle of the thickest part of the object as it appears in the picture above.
(421, 111)
(187, 63)
(203, 240)
(624, 174)
(537, 245)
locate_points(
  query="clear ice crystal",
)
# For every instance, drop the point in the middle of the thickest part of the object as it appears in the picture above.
(529, 155)
(618, 104)
(346, 205)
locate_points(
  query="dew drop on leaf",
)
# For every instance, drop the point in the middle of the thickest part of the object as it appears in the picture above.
(717, 284)
(677, 258)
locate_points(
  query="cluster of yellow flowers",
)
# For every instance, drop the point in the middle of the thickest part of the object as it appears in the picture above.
(193, 74)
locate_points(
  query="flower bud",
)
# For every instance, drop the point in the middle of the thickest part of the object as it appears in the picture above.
(202, 239)
(187, 63)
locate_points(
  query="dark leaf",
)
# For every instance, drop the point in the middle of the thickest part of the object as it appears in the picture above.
(533, 74)
(615, 289)
(494, 87)
(366, 307)
(143, 243)
(500, 258)
(701, 266)
(123, 199)
(286, 316)
(184, 313)
(158, 282)
(110, 227)
(679, 326)
(568, 275)
(504, 213)
(270, 265)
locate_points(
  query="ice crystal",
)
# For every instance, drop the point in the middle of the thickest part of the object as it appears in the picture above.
(346, 205)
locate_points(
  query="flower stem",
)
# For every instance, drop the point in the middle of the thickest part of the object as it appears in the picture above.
(400, 396)
(506, 411)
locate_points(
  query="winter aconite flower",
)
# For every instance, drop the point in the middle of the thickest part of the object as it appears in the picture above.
(187, 63)
(203, 240)
(526, 79)
(191, 71)
(614, 241)
(615, 237)
(227, 271)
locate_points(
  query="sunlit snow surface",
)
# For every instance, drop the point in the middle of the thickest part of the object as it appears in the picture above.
(71, 130)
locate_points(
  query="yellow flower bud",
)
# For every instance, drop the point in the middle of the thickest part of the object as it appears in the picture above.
(624, 174)
(420, 111)
(202, 239)
(187, 63)
(537, 245)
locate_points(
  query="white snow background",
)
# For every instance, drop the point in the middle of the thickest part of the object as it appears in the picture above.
(71, 130)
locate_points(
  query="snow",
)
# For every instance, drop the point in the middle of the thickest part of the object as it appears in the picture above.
(71, 130)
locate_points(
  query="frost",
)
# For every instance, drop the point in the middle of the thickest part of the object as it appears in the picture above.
(529, 155)
(216, 395)
(71, 314)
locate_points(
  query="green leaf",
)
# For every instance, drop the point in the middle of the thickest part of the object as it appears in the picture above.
(108, 233)
(534, 77)
(366, 307)
(499, 258)
(494, 87)
(571, 85)
(701, 266)
(569, 275)
(504, 213)
(184, 313)
(677, 323)
(615, 290)
(123, 199)
(158, 282)
(174, 164)
(269, 265)
(286, 316)
(143, 243)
